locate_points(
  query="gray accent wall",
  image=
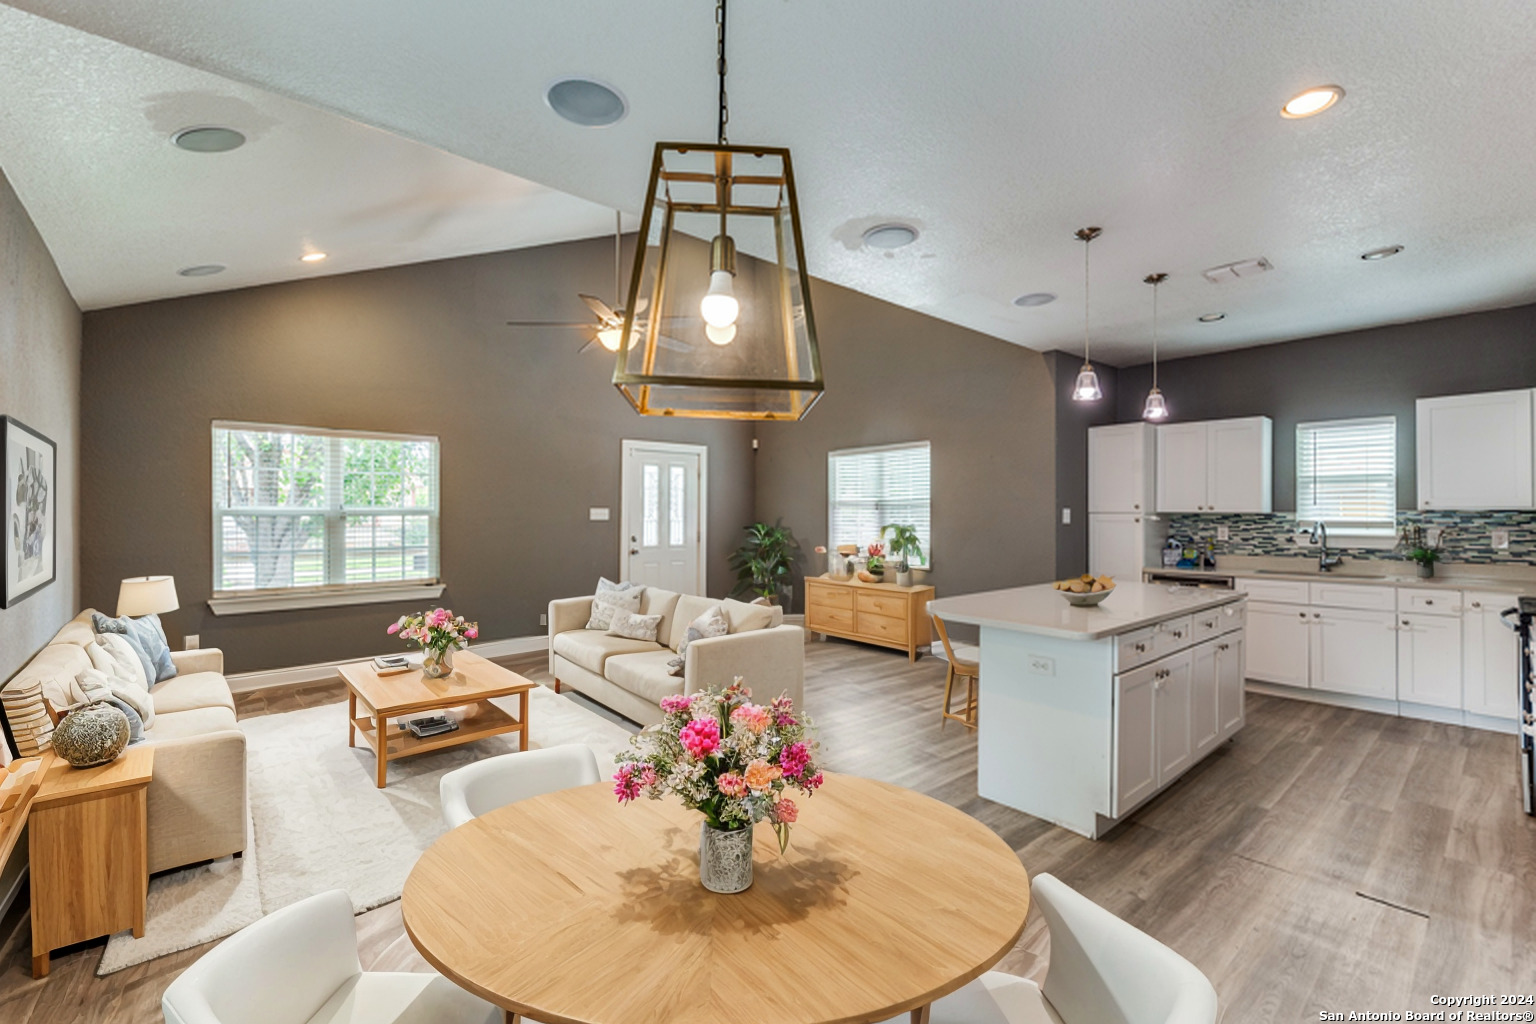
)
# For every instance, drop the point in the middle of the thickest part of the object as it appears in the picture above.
(39, 385)
(1072, 422)
(530, 432)
(985, 406)
(1374, 372)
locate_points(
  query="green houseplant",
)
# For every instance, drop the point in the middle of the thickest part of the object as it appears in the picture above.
(904, 547)
(1414, 542)
(764, 561)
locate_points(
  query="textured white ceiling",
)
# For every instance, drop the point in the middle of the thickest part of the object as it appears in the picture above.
(85, 139)
(998, 128)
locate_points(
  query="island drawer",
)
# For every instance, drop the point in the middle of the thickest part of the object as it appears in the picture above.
(883, 604)
(1218, 621)
(1352, 595)
(1172, 635)
(1429, 602)
(1132, 649)
(1279, 591)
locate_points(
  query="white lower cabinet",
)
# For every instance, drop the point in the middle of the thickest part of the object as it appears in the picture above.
(1231, 671)
(1490, 658)
(1205, 697)
(1135, 737)
(1279, 641)
(1354, 651)
(1171, 702)
(1429, 660)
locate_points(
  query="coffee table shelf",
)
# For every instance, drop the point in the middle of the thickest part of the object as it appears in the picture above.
(488, 720)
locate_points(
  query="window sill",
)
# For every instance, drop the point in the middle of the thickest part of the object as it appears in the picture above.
(247, 602)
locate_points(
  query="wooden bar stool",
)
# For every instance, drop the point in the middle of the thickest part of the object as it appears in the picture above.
(970, 671)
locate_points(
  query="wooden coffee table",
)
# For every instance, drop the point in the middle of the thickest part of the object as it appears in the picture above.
(473, 683)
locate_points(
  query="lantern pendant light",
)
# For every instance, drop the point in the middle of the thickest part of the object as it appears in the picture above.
(1156, 407)
(718, 320)
(1087, 387)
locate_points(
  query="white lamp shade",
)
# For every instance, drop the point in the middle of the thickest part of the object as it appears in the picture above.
(1087, 387)
(147, 595)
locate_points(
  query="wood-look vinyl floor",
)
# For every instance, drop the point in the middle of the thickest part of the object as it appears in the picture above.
(1325, 859)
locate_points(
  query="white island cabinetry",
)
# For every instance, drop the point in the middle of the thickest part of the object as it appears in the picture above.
(1086, 713)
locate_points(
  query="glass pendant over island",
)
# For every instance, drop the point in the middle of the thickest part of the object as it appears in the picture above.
(1086, 389)
(1156, 407)
(718, 322)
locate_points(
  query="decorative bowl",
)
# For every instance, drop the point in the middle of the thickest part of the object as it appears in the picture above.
(1085, 600)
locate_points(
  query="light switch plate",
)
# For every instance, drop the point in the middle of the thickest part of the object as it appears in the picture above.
(1501, 540)
(1066, 517)
(193, 641)
(543, 618)
(1223, 533)
(1041, 666)
(597, 515)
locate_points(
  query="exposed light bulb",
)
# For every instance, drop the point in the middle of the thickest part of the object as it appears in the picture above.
(720, 335)
(719, 306)
(609, 338)
(1087, 387)
(1156, 408)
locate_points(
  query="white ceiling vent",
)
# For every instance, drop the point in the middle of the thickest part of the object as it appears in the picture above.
(1242, 268)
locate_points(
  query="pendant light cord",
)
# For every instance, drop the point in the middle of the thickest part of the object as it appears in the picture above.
(1154, 334)
(725, 111)
(1086, 243)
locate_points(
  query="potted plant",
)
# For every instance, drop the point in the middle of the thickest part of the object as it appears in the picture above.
(875, 565)
(904, 547)
(1415, 543)
(764, 561)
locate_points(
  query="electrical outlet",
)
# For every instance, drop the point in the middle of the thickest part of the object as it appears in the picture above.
(1432, 536)
(1066, 517)
(194, 641)
(1223, 533)
(543, 618)
(1501, 540)
(1041, 666)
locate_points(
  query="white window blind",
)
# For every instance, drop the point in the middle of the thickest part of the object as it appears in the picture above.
(872, 487)
(298, 507)
(1346, 473)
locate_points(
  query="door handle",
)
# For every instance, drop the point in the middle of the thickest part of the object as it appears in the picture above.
(634, 551)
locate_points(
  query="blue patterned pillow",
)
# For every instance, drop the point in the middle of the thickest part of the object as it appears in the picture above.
(148, 639)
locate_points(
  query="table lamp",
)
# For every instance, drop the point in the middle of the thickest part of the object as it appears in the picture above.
(147, 595)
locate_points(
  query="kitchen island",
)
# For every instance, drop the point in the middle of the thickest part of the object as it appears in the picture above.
(1086, 713)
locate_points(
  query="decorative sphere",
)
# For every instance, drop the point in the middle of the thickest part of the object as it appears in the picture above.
(91, 734)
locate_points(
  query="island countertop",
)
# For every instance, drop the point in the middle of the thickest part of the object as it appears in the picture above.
(1042, 610)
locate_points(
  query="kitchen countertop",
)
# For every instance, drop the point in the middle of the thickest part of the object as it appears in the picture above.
(1042, 610)
(1511, 579)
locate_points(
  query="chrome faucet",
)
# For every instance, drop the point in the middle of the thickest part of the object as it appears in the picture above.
(1319, 535)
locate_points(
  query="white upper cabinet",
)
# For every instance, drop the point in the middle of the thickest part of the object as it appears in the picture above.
(1216, 466)
(1121, 460)
(1475, 451)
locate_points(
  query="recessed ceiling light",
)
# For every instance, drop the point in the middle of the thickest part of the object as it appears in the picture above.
(586, 101)
(890, 236)
(1210, 318)
(313, 257)
(1034, 299)
(202, 270)
(208, 139)
(1382, 253)
(1313, 101)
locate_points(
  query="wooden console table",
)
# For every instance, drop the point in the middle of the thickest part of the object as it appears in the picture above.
(89, 850)
(872, 613)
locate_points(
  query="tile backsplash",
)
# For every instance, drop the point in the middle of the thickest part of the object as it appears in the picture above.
(1466, 536)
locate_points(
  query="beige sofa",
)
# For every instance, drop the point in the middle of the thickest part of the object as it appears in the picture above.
(630, 676)
(197, 798)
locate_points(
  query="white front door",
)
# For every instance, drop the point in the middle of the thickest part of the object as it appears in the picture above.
(663, 515)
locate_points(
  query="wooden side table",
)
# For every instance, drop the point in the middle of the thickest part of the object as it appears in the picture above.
(89, 852)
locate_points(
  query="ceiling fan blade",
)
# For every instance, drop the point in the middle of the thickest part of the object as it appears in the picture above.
(598, 306)
(642, 305)
(547, 323)
(589, 344)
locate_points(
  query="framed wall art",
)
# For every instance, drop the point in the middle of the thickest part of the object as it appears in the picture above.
(31, 524)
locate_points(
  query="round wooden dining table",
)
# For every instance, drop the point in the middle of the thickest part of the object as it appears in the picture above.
(571, 909)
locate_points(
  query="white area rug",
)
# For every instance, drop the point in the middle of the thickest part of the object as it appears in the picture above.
(318, 822)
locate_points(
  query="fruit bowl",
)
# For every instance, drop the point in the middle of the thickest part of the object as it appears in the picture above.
(1085, 600)
(1086, 590)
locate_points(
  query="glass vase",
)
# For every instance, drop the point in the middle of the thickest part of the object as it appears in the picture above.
(437, 664)
(725, 858)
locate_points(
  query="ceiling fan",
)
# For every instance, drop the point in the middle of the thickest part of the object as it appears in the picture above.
(608, 330)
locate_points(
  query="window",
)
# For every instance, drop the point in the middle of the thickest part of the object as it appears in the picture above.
(296, 508)
(870, 487)
(1346, 474)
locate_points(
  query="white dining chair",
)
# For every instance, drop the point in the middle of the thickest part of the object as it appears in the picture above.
(1101, 971)
(471, 791)
(299, 965)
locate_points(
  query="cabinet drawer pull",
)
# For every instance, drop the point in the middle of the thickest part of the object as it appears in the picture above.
(1405, 622)
(1141, 648)
(1477, 604)
(1178, 634)
(1302, 614)
(1223, 647)
(1429, 601)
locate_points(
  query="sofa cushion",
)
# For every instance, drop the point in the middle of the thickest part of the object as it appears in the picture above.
(644, 675)
(656, 601)
(77, 631)
(613, 597)
(747, 617)
(93, 684)
(147, 636)
(689, 607)
(192, 690)
(55, 667)
(711, 623)
(590, 649)
(197, 722)
(115, 656)
(635, 626)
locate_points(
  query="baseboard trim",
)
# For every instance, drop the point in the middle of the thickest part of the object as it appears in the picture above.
(1401, 709)
(244, 682)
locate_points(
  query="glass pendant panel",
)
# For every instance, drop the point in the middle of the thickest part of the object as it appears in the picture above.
(671, 362)
(1156, 408)
(1087, 387)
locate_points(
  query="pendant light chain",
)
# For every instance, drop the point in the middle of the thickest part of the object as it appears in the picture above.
(720, 67)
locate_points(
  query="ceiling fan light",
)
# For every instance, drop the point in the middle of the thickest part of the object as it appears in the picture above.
(719, 306)
(1087, 387)
(720, 335)
(1156, 407)
(609, 338)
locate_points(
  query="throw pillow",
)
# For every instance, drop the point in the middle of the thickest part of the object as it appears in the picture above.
(613, 597)
(712, 622)
(635, 626)
(114, 656)
(94, 684)
(147, 636)
(94, 687)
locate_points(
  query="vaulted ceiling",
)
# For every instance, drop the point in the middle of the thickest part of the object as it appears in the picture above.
(997, 129)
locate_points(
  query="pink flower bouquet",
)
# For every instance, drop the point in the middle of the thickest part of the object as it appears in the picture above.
(727, 758)
(437, 631)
